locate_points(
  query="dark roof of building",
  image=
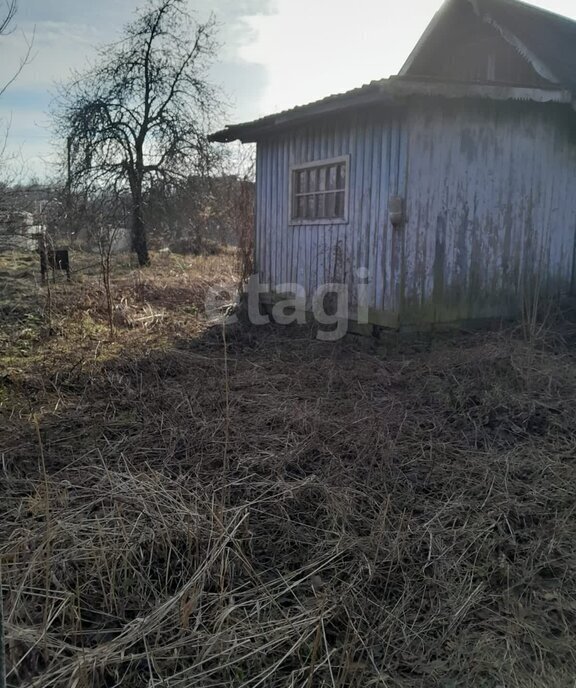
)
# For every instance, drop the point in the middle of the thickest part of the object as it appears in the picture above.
(550, 37)
(546, 39)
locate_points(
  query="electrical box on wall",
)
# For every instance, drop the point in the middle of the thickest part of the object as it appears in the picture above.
(396, 210)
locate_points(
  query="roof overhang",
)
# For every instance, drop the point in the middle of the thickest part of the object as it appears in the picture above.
(248, 132)
(392, 92)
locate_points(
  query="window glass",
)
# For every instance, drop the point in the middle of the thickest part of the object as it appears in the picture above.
(319, 191)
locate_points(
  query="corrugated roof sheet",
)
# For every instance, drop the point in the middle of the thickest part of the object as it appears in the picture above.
(366, 94)
(393, 91)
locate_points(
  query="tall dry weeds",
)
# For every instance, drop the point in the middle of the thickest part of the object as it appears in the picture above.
(270, 511)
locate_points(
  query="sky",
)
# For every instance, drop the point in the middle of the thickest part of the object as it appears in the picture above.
(274, 54)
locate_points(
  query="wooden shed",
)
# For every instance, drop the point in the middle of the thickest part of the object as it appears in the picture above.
(449, 189)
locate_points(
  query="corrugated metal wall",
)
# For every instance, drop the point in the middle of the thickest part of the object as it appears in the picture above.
(490, 205)
(491, 208)
(311, 255)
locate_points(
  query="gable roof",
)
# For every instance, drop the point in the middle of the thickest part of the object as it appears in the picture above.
(546, 40)
(549, 36)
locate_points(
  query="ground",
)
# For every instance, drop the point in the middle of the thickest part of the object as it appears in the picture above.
(189, 505)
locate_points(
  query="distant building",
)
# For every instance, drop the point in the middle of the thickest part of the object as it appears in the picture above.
(18, 231)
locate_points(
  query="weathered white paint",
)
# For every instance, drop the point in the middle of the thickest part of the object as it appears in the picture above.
(315, 254)
(490, 207)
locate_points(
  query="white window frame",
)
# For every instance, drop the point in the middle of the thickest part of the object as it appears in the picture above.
(326, 162)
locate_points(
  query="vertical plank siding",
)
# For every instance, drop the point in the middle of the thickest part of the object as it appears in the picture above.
(312, 255)
(489, 199)
(491, 209)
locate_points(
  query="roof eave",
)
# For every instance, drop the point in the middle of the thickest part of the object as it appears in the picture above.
(391, 92)
(249, 132)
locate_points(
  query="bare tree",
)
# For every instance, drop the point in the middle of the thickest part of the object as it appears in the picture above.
(242, 162)
(8, 10)
(9, 14)
(107, 216)
(7, 27)
(197, 215)
(141, 113)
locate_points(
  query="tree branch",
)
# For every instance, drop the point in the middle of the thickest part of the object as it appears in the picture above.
(5, 30)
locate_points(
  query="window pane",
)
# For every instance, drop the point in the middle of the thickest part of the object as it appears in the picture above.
(332, 177)
(310, 209)
(301, 186)
(330, 205)
(321, 210)
(339, 210)
(301, 207)
(322, 173)
(313, 179)
(341, 180)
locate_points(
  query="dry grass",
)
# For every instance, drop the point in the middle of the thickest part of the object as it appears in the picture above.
(151, 308)
(287, 513)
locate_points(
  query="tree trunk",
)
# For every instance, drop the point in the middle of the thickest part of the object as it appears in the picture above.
(139, 240)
